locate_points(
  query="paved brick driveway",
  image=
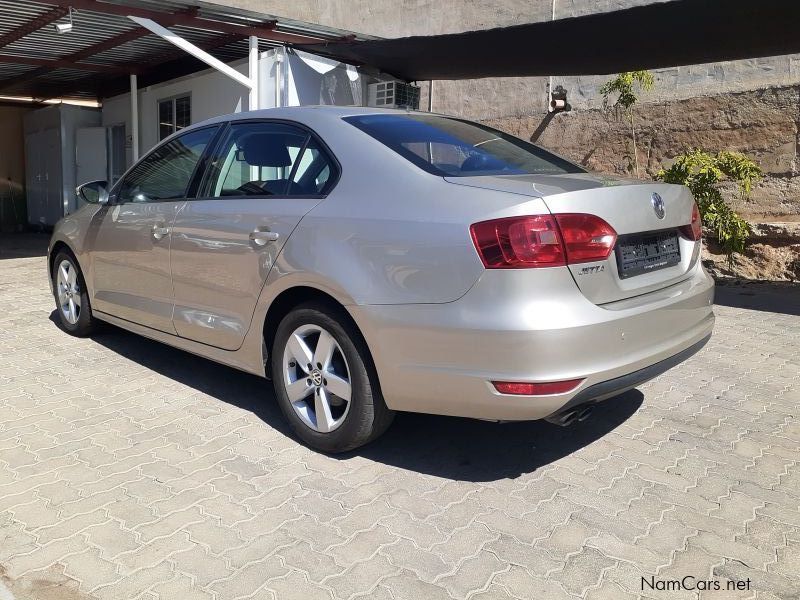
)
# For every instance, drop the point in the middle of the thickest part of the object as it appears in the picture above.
(128, 470)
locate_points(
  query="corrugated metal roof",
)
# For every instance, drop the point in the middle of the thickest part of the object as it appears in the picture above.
(87, 62)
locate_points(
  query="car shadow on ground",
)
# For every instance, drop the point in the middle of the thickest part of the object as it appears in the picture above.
(768, 296)
(448, 447)
(472, 450)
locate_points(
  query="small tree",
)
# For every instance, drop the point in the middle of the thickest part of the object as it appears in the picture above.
(701, 172)
(625, 85)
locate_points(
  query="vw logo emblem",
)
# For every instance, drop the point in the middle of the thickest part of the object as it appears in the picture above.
(316, 377)
(658, 205)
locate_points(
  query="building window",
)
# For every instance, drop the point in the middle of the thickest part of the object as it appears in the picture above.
(173, 115)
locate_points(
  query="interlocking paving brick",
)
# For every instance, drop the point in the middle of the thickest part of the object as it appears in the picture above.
(361, 577)
(406, 585)
(129, 470)
(362, 546)
(475, 573)
(90, 569)
(295, 585)
(522, 584)
(427, 565)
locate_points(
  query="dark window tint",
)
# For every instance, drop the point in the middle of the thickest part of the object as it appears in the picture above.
(165, 173)
(452, 147)
(268, 159)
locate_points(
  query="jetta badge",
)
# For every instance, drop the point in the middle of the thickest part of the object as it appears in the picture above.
(658, 205)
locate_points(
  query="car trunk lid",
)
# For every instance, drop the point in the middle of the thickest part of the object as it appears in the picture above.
(650, 253)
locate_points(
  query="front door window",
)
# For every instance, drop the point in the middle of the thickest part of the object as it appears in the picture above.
(166, 172)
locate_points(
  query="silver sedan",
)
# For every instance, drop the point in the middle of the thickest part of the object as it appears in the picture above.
(373, 261)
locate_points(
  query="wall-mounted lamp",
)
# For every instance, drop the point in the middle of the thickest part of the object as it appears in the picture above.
(64, 27)
(557, 99)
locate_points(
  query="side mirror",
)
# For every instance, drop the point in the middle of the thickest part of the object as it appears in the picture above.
(93, 192)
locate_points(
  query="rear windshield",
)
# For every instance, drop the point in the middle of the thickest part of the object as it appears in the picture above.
(454, 148)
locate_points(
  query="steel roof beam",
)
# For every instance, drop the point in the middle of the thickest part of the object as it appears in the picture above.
(264, 30)
(47, 65)
(33, 25)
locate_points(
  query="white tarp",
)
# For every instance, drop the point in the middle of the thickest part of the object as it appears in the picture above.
(307, 79)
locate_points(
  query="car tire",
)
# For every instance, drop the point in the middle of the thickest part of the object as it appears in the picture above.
(71, 296)
(319, 385)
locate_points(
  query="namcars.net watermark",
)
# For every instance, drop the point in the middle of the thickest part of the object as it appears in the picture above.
(692, 583)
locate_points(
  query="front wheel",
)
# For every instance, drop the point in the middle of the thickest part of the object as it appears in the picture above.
(325, 382)
(72, 298)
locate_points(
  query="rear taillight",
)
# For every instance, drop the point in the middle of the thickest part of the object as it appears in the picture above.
(542, 240)
(693, 231)
(519, 242)
(587, 238)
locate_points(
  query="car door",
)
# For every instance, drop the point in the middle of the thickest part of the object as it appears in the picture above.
(130, 238)
(263, 178)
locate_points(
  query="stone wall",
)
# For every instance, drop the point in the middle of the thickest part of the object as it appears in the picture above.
(763, 124)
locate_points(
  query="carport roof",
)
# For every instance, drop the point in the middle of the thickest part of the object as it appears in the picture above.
(94, 59)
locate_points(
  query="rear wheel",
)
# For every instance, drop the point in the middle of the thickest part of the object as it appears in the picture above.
(325, 382)
(72, 299)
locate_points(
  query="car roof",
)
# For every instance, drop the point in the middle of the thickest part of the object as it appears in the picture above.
(304, 113)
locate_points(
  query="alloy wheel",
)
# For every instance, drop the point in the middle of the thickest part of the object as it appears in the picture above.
(68, 291)
(317, 378)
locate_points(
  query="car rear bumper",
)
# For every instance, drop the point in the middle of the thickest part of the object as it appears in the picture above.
(623, 383)
(442, 358)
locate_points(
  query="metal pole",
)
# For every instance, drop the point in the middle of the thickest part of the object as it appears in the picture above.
(253, 73)
(430, 96)
(278, 70)
(134, 117)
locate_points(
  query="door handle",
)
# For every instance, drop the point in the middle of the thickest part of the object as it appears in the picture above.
(159, 231)
(261, 238)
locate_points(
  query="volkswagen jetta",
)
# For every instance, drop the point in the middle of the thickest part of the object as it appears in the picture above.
(371, 261)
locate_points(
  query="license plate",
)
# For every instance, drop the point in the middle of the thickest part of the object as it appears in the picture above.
(646, 252)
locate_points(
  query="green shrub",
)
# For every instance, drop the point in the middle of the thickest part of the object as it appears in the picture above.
(701, 172)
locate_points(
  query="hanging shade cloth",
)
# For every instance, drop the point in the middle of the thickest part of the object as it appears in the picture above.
(663, 34)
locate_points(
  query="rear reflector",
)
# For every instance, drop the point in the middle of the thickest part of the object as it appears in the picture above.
(536, 389)
(542, 240)
(693, 231)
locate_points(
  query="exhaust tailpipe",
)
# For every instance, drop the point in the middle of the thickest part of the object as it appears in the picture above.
(585, 413)
(564, 419)
(571, 417)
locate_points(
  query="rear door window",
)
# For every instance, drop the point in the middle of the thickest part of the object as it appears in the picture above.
(268, 159)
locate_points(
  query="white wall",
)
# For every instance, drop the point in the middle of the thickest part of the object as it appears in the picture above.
(212, 94)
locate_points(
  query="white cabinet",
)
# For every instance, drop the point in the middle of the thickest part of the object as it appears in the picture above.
(54, 137)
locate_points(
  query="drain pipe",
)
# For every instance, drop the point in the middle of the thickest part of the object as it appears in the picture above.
(134, 117)
(550, 79)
